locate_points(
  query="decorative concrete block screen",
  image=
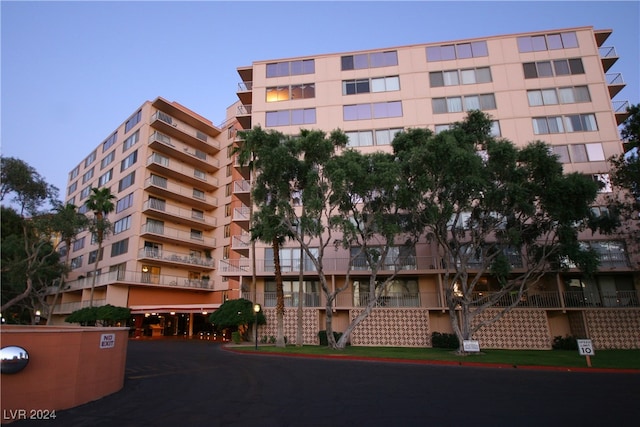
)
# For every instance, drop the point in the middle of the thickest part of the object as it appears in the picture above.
(518, 329)
(401, 327)
(614, 328)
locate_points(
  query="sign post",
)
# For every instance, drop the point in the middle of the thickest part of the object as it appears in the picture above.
(585, 347)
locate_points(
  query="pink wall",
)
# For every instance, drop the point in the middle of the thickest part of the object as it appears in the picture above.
(67, 367)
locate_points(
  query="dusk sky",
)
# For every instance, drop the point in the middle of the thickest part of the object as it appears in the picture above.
(73, 71)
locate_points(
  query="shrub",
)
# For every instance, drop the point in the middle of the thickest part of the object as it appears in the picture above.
(567, 342)
(322, 335)
(236, 337)
(444, 340)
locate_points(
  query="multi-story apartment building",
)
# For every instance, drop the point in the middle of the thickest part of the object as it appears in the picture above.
(553, 86)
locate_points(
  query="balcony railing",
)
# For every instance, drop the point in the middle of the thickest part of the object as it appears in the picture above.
(184, 151)
(175, 257)
(184, 128)
(187, 215)
(70, 307)
(140, 278)
(607, 52)
(186, 193)
(245, 86)
(178, 235)
(164, 162)
(244, 110)
(620, 106)
(614, 79)
(602, 299)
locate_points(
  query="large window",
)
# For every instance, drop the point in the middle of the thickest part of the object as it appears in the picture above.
(457, 77)
(129, 161)
(133, 120)
(398, 293)
(130, 141)
(577, 153)
(378, 84)
(87, 175)
(124, 203)
(377, 110)
(364, 138)
(457, 51)
(398, 258)
(563, 95)
(108, 159)
(547, 42)
(291, 68)
(572, 123)
(120, 247)
(369, 60)
(457, 104)
(558, 67)
(291, 117)
(285, 93)
(106, 177)
(127, 181)
(289, 260)
(122, 225)
(90, 158)
(109, 141)
(310, 289)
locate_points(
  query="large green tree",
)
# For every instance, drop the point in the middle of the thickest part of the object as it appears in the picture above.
(484, 202)
(101, 203)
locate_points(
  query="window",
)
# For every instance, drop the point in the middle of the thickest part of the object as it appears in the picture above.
(562, 152)
(119, 248)
(547, 42)
(197, 214)
(158, 181)
(74, 173)
(560, 67)
(198, 194)
(109, 141)
(107, 159)
(90, 159)
(289, 259)
(93, 256)
(291, 68)
(122, 225)
(290, 117)
(73, 187)
(130, 141)
(353, 87)
(78, 244)
(458, 104)
(458, 51)
(570, 95)
(129, 161)
(196, 234)
(133, 120)
(360, 138)
(127, 181)
(106, 177)
(76, 262)
(581, 123)
(124, 203)
(385, 136)
(369, 60)
(85, 192)
(385, 84)
(367, 111)
(546, 125)
(87, 175)
(284, 93)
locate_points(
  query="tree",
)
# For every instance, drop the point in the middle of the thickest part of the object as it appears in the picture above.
(623, 216)
(29, 255)
(101, 203)
(487, 204)
(236, 314)
(68, 222)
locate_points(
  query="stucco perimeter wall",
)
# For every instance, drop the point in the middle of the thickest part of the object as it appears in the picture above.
(615, 328)
(518, 330)
(310, 320)
(401, 327)
(67, 367)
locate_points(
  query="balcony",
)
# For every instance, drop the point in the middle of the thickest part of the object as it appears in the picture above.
(608, 299)
(608, 57)
(245, 93)
(166, 211)
(162, 233)
(241, 243)
(182, 172)
(620, 109)
(139, 278)
(615, 83)
(242, 216)
(158, 256)
(174, 148)
(70, 307)
(184, 132)
(242, 190)
(193, 197)
(243, 114)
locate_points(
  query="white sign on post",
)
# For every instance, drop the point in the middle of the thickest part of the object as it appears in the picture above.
(107, 341)
(585, 347)
(471, 346)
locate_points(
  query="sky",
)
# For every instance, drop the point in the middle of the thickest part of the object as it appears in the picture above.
(72, 72)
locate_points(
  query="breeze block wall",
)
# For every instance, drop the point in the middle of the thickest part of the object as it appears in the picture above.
(520, 329)
(614, 328)
(395, 327)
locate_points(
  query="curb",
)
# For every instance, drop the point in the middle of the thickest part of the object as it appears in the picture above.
(439, 362)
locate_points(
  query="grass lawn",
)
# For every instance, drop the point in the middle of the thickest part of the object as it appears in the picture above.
(620, 359)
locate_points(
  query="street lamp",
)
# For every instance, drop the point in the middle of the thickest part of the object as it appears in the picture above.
(37, 319)
(256, 309)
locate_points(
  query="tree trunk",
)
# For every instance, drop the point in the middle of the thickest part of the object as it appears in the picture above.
(299, 335)
(60, 285)
(279, 295)
(95, 271)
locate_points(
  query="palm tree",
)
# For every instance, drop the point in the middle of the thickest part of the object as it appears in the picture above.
(68, 222)
(101, 203)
